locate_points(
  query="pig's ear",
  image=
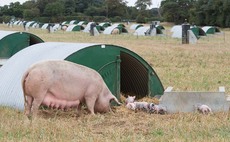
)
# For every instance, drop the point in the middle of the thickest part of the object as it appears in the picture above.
(134, 97)
(114, 99)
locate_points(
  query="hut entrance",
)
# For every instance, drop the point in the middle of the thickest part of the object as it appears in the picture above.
(133, 76)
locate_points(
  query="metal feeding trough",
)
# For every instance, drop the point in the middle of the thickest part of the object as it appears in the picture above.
(187, 101)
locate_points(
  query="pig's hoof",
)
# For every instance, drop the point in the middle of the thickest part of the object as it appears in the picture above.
(27, 121)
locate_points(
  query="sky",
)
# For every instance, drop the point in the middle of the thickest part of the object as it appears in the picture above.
(156, 3)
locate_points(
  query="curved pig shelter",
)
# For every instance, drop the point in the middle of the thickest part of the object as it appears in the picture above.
(11, 42)
(122, 70)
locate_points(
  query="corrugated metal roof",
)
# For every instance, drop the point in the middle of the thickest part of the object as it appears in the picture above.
(176, 31)
(141, 31)
(57, 26)
(101, 24)
(65, 22)
(16, 22)
(87, 28)
(206, 28)
(73, 22)
(134, 26)
(11, 72)
(6, 33)
(34, 25)
(29, 23)
(105, 24)
(2, 61)
(70, 28)
(45, 26)
(109, 29)
(81, 23)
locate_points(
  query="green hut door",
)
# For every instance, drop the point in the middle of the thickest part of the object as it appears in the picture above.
(111, 75)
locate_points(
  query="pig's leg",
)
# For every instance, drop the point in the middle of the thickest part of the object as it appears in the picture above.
(78, 108)
(90, 102)
(36, 104)
(28, 105)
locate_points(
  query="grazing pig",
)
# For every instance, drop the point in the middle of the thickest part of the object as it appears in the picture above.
(204, 109)
(62, 85)
(130, 99)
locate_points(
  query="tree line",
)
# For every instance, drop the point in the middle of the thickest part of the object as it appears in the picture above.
(61, 10)
(199, 12)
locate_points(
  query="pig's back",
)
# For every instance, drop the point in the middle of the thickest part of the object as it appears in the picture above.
(65, 80)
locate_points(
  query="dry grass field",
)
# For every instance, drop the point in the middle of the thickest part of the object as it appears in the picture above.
(199, 67)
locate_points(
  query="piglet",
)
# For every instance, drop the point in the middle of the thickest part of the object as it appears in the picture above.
(130, 99)
(158, 109)
(131, 106)
(142, 106)
(151, 107)
(204, 109)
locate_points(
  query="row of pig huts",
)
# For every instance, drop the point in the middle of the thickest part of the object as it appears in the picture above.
(193, 33)
(107, 28)
(104, 27)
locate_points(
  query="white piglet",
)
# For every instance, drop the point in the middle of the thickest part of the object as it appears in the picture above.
(158, 109)
(204, 109)
(142, 106)
(130, 99)
(131, 106)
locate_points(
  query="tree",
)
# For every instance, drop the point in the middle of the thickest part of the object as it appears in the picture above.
(4, 10)
(41, 5)
(226, 13)
(133, 12)
(212, 12)
(29, 14)
(176, 10)
(14, 9)
(70, 7)
(115, 7)
(54, 9)
(93, 11)
(143, 4)
(81, 5)
(29, 4)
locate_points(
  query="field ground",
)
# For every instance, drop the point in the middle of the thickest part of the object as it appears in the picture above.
(199, 67)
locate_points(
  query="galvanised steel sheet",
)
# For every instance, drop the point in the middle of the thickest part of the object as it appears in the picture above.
(6, 33)
(109, 29)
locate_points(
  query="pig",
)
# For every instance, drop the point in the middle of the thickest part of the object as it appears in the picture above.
(131, 106)
(158, 109)
(115, 31)
(151, 107)
(130, 99)
(204, 109)
(142, 106)
(63, 85)
(64, 27)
